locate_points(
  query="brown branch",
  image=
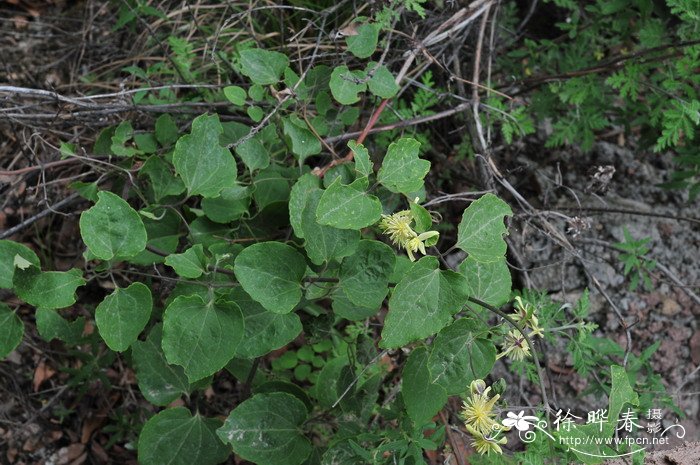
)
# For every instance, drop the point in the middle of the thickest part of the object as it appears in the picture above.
(451, 438)
(363, 135)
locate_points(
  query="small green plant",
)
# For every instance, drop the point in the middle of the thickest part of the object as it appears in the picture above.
(636, 265)
(629, 64)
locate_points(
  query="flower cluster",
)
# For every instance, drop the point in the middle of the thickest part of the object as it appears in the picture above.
(515, 345)
(479, 419)
(398, 228)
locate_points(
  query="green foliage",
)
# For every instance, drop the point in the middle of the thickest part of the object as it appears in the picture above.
(206, 168)
(263, 67)
(46, 289)
(346, 85)
(200, 336)
(636, 265)
(175, 436)
(402, 171)
(626, 64)
(11, 330)
(296, 282)
(265, 429)
(422, 303)
(123, 314)
(8, 251)
(364, 43)
(112, 229)
(159, 382)
(348, 207)
(423, 398)
(271, 272)
(481, 230)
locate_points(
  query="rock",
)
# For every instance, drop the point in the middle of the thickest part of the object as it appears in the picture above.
(695, 348)
(670, 307)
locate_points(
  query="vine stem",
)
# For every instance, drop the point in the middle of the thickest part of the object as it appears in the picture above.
(520, 329)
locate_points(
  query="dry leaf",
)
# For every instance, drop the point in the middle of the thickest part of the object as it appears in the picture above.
(42, 373)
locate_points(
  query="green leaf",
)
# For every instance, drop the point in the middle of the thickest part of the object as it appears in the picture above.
(163, 180)
(480, 233)
(304, 142)
(346, 85)
(11, 330)
(382, 83)
(270, 186)
(112, 229)
(344, 308)
(201, 337)
(348, 207)
(255, 113)
(51, 289)
(264, 331)
(422, 398)
(297, 200)
(487, 281)
(8, 250)
(263, 67)
(266, 429)
(235, 95)
(364, 276)
(203, 164)
(166, 130)
(122, 134)
(163, 234)
(254, 154)
(620, 394)
(422, 303)
(271, 272)
(123, 314)
(325, 389)
(363, 164)
(51, 325)
(175, 437)
(364, 43)
(402, 171)
(325, 243)
(421, 217)
(87, 190)
(159, 382)
(231, 205)
(458, 357)
(189, 264)
(146, 142)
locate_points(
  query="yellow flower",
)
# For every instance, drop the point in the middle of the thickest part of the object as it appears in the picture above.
(417, 244)
(398, 228)
(478, 408)
(515, 346)
(525, 312)
(485, 444)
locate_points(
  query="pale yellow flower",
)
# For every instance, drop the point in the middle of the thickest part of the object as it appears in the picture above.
(525, 312)
(398, 228)
(515, 346)
(478, 408)
(485, 443)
